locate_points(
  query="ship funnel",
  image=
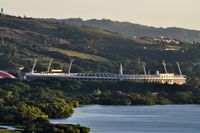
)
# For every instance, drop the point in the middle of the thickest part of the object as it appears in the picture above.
(164, 65)
(120, 69)
(33, 68)
(144, 67)
(70, 65)
(179, 69)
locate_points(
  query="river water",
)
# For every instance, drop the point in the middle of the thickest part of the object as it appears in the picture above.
(137, 119)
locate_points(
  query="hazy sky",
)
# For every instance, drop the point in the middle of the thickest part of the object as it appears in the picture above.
(159, 13)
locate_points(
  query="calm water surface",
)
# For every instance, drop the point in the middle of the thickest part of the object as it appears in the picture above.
(137, 119)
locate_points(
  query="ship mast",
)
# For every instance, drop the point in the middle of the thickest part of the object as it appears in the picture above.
(179, 69)
(164, 65)
(35, 62)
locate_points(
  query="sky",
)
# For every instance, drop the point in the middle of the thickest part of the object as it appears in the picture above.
(158, 13)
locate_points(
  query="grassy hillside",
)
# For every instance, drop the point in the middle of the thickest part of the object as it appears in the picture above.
(25, 39)
(131, 29)
(78, 54)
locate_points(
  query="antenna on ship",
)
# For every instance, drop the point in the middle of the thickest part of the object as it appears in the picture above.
(144, 67)
(49, 67)
(35, 62)
(70, 65)
(179, 69)
(120, 69)
(164, 65)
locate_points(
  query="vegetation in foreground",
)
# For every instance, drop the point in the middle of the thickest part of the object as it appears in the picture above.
(8, 131)
(39, 127)
(31, 103)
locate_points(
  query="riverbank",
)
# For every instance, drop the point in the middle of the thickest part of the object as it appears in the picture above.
(46, 128)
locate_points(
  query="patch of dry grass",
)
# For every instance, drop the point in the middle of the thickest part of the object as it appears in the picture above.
(78, 54)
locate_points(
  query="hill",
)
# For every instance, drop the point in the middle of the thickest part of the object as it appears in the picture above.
(131, 29)
(94, 49)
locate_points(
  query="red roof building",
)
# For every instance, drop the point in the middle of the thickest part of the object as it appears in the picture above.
(4, 75)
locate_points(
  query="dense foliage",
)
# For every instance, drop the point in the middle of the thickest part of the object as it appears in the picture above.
(21, 102)
(129, 93)
(56, 98)
(50, 128)
(32, 103)
(8, 131)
